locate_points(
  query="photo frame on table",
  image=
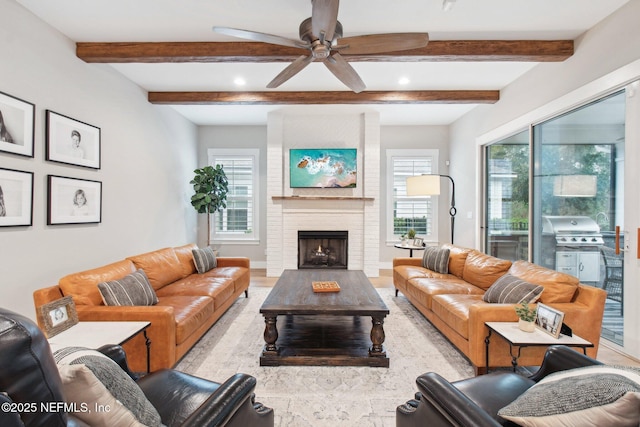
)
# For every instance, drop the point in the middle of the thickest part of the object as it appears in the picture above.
(73, 201)
(71, 141)
(16, 198)
(418, 241)
(17, 125)
(58, 316)
(549, 320)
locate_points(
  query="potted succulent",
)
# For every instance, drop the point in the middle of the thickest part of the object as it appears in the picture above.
(210, 188)
(411, 234)
(527, 317)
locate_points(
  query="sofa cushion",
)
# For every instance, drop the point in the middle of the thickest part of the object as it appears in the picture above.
(512, 290)
(423, 289)
(83, 286)
(190, 313)
(185, 256)
(483, 270)
(457, 258)
(454, 310)
(162, 266)
(218, 288)
(204, 259)
(116, 381)
(594, 395)
(436, 259)
(558, 287)
(133, 289)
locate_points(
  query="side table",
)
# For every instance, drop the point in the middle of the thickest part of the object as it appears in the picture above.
(97, 334)
(510, 332)
(411, 248)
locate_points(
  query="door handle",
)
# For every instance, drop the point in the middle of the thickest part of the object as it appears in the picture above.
(618, 239)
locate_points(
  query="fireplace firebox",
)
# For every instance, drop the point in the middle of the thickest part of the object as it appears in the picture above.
(323, 249)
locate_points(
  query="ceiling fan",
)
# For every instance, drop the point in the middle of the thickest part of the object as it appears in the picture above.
(321, 35)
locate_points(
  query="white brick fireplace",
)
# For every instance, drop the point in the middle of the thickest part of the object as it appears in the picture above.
(356, 210)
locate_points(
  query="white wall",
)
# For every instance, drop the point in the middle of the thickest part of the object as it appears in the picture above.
(605, 48)
(148, 155)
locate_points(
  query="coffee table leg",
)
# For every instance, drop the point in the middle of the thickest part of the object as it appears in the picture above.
(377, 337)
(270, 335)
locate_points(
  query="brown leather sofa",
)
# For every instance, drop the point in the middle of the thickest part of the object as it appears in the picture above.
(189, 303)
(453, 302)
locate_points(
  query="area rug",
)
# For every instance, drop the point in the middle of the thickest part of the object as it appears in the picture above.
(327, 396)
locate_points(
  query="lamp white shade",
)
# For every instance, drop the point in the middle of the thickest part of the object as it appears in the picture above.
(575, 186)
(423, 185)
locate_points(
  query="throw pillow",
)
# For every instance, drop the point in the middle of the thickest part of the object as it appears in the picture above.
(204, 259)
(116, 381)
(436, 259)
(511, 290)
(133, 289)
(91, 398)
(591, 396)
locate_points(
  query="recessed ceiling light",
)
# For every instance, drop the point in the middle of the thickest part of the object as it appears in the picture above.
(447, 5)
(404, 81)
(239, 81)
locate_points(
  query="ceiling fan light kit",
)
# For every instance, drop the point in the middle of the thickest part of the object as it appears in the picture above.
(321, 35)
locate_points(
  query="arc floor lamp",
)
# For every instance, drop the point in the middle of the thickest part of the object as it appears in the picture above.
(429, 185)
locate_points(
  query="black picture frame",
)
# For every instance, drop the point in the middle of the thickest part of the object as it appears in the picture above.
(71, 141)
(16, 198)
(73, 200)
(17, 125)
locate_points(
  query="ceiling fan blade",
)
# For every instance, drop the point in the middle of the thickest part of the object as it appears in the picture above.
(324, 16)
(261, 37)
(374, 43)
(294, 68)
(344, 72)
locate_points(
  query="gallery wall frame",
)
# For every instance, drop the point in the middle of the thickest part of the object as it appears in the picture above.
(73, 200)
(71, 141)
(17, 125)
(16, 198)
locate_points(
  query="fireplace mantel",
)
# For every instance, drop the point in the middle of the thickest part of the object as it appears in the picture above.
(366, 199)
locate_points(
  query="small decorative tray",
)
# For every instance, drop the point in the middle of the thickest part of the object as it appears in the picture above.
(325, 286)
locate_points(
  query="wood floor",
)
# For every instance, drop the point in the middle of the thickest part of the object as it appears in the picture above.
(605, 354)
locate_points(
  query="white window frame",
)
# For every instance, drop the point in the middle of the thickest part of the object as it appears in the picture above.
(409, 154)
(239, 238)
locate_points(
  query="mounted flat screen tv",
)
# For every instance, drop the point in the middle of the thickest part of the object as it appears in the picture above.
(322, 167)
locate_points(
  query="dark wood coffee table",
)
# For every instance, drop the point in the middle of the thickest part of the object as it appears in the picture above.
(324, 328)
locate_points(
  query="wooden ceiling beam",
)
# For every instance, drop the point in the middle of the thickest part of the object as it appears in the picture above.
(438, 50)
(336, 97)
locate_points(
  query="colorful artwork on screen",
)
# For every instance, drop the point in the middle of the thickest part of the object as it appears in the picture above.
(322, 168)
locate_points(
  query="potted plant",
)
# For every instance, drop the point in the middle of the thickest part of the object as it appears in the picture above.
(527, 317)
(411, 234)
(210, 186)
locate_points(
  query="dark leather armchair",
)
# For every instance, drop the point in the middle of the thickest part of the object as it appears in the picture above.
(30, 376)
(475, 402)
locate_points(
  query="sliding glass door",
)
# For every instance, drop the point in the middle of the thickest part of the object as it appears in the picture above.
(555, 196)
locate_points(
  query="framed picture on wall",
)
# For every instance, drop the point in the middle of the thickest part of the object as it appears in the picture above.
(16, 198)
(73, 201)
(71, 141)
(16, 125)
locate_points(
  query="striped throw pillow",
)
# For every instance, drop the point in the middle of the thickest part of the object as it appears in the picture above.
(509, 289)
(436, 259)
(133, 289)
(204, 259)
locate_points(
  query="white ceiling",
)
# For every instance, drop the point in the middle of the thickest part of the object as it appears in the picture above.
(191, 20)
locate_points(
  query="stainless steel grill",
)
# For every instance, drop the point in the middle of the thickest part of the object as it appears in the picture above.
(573, 231)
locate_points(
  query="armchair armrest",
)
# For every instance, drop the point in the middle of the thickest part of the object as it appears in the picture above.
(442, 404)
(221, 406)
(561, 358)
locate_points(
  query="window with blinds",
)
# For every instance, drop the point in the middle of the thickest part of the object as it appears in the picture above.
(413, 212)
(239, 219)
